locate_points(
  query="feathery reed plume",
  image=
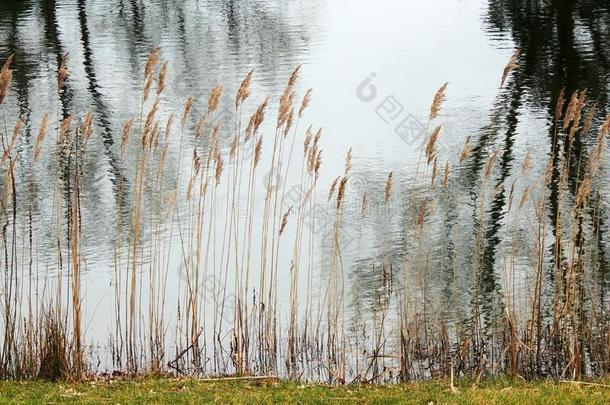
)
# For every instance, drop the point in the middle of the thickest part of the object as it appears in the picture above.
(513, 63)
(285, 220)
(16, 131)
(388, 187)
(125, 137)
(147, 85)
(256, 119)
(87, 127)
(318, 163)
(219, 167)
(151, 62)
(364, 206)
(285, 106)
(348, 162)
(446, 175)
(244, 89)
(199, 127)
(64, 127)
(491, 160)
(187, 108)
(305, 102)
(465, 151)
(431, 146)
(434, 172)
(10, 178)
(215, 97)
(162, 78)
(149, 125)
(341, 191)
(333, 187)
(574, 111)
(294, 76)
(6, 74)
(423, 209)
(589, 120)
(561, 99)
(437, 102)
(524, 196)
(62, 73)
(153, 59)
(169, 125)
(307, 140)
(289, 121)
(583, 193)
(233, 146)
(41, 135)
(570, 110)
(257, 151)
(596, 156)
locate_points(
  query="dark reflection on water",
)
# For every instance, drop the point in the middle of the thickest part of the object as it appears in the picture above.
(564, 45)
(107, 42)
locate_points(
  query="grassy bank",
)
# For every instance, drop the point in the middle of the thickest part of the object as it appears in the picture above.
(161, 391)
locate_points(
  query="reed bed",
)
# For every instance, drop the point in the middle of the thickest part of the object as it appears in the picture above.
(264, 284)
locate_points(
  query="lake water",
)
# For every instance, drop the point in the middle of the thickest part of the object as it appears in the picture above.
(374, 68)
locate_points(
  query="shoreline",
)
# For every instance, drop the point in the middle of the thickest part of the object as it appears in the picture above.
(261, 391)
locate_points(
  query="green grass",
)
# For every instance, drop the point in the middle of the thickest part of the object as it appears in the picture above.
(191, 391)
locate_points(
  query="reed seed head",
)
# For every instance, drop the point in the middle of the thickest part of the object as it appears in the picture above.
(289, 122)
(465, 151)
(341, 191)
(6, 75)
(16, 131)
(64, 127)
(524, 196)
(307, 140)
(219, 167)
(364, 206)
(589, 120)
(162, 78)
(437, 102)
(333, 187)
(41, 135)
(389, 183)
(305, 103)
(215, 98)
(87, 127)
(187, 108)
(62, 73)
(257, 151)
(513, 63)
(199, 126)
(244, 89)
(285, 220)
(561, 99)
(421, 215)
(294, 76)
(431, 147)
(348, 162)
(125, 136)
(168, 125)
(491, 160)
(151, 62)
